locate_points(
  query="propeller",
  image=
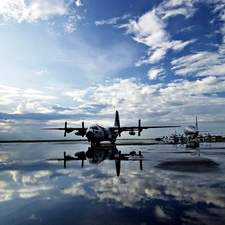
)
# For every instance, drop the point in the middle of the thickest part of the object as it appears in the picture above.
(65, 129)
(119, 131)
(83, 130)
(139, 127)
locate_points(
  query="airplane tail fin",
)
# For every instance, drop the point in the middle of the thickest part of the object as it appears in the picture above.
(117, 119)
(196, 123)
(196, 126)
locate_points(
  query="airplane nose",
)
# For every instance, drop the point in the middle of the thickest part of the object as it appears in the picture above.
(89, 135)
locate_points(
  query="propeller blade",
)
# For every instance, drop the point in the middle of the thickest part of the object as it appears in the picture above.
(139, 127)
(119, 131)
(65, 129)
(83, 130)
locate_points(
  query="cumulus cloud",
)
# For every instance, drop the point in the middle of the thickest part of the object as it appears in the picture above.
(78, 3)
(176, 101)
(32, 11)
(199, 64)
(77, 95)
(150, 30)
(154, 186)
(154, 73)
(37, 10)
(8, 93)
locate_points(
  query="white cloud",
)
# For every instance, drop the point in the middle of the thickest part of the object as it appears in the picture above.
(109, 21)
(5, 127)
(7, 94)
(162, 101)
(150, 30)
(172, 8)
(8, 89)
(79, 3)
(69, 26)
(154, 73)
(200, 64)
(20, 108)
(41, 72)
(77, 95)
(32, 11)
(13, 9)
(32, 91)
(160, 213)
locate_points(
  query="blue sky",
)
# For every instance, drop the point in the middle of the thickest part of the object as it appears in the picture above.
(161, 61)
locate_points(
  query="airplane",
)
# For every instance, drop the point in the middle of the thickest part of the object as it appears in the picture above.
(96, 133)
(98, 154)
(192, 133)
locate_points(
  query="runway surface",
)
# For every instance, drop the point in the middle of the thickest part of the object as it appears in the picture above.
(163, 184)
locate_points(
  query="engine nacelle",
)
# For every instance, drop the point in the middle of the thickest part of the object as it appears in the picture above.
(132, 133)
(79, 133)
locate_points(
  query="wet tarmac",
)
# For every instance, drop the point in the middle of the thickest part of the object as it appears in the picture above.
(130, 184)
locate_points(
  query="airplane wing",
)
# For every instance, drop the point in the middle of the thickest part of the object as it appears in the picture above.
(81, 131)
(138, 128)
(143, 127)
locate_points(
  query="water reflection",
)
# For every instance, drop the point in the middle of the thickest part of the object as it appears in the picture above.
(98, 154)
(32, 189)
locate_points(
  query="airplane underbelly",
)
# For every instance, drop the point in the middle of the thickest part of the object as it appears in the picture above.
(99, 136)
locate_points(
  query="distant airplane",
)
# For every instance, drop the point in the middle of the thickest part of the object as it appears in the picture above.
(96, 133)
(191, 133)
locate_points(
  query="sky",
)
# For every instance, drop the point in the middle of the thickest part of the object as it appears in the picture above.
(74, 61)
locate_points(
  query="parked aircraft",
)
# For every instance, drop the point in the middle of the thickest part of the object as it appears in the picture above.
(191, 133)
(191, 136)
(96, 133)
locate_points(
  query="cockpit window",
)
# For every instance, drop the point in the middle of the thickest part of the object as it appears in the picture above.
(94, 128)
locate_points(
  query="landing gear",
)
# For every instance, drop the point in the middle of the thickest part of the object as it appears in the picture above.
(113, 142)
(94, 143)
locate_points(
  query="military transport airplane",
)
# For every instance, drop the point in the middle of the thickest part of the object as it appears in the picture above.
(96, 133)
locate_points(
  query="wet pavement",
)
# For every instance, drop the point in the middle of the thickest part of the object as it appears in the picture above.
(129, 184)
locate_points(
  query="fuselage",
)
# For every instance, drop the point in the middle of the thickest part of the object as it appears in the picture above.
(96, 133)
(191, 131)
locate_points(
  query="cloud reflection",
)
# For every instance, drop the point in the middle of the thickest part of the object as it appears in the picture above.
(165, 195)
(185, 191)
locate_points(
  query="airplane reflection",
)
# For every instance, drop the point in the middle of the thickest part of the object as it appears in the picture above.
(96, 155)
(191, 162)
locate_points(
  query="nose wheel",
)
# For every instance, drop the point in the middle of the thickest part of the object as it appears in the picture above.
(95, 143)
